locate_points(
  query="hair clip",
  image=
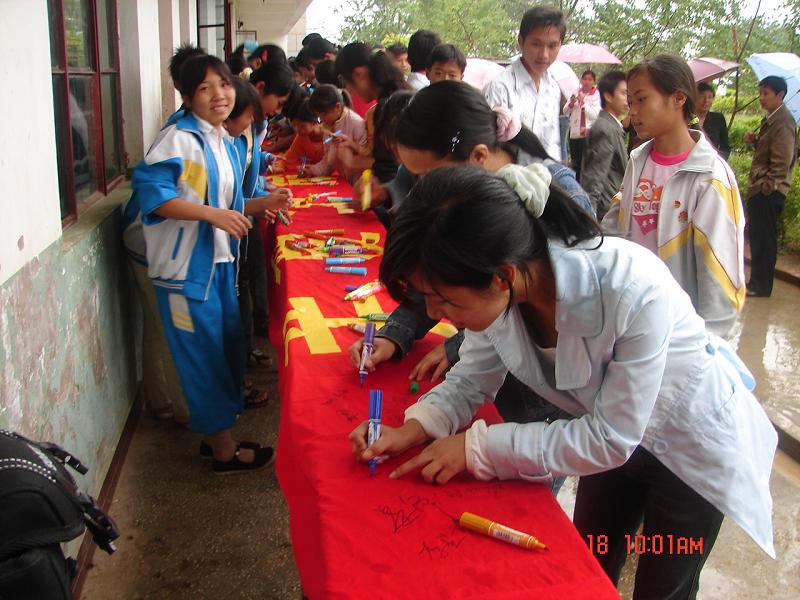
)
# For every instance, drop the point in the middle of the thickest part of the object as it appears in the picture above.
(456, 139)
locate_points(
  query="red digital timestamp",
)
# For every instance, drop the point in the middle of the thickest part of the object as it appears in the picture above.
(649, 544)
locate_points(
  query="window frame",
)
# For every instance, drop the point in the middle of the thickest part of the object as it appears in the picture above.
(226, 19)
(94, 73)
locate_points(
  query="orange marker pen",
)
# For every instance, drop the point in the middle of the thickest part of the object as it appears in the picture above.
(501, 532)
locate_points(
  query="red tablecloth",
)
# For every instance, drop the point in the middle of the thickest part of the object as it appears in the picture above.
(360, 537)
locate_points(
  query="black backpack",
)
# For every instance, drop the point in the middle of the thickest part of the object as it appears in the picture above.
(41, 507)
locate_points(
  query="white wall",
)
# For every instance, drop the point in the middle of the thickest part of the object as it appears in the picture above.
(275, 21)
(169, 35)
(29, 202)
(141, 75)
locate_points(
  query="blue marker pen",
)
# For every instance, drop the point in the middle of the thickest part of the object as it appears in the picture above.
(347, 270)
(330, 139)
(339, 199)
(346, 260)
(374, 428)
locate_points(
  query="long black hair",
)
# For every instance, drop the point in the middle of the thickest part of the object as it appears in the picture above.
(383, 73)
(669, 74)
(246, 96)
(450, 118)
(460, 224)
(277, 78)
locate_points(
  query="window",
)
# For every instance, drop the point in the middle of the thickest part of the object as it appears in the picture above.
(86, 96)
(213, 17)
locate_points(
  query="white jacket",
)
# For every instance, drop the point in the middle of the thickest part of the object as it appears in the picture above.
(635, 365)
(590, 108)
(700, 229)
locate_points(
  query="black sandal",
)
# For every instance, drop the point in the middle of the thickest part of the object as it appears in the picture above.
(206, 451)
(258, 358)
(262, 458)
(254, 398)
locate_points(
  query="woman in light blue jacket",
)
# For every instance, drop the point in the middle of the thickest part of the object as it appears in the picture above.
(666, 432)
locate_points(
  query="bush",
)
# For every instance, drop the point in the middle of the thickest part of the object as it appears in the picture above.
(789, 228)
(724, 104)
(742, 124)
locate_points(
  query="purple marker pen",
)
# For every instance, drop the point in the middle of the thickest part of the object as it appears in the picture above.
(366, 351)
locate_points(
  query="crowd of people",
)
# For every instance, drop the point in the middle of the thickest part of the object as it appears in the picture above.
(592, 302)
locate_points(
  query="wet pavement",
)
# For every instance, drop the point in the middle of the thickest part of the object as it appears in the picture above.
(188, 534)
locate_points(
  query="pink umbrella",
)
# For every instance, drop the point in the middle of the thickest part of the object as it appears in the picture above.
(586, 53)
(480, 71)
(708, 68)
(565, 77)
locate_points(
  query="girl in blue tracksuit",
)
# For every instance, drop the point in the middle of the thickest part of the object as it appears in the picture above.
(189, 190)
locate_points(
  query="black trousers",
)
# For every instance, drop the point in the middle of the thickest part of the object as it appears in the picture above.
(679, 526)
(576, 148)
(763, 212)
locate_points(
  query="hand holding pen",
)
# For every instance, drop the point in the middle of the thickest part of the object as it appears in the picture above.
(366, 352)
(374, 427)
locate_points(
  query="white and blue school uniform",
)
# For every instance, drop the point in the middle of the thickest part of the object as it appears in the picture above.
(131, 225)
(635, 365)
(192, 265)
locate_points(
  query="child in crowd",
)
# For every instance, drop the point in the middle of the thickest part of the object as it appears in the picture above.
(276, 88)
(346, 134)
(666, 433)
(325, 72)
(446, 62)
(267, 53)
(246, 126)
(399, 55)
(491, 139)
(451, 122)
(420, 45)
(307, 147)
(319, 49)
(189, 190)
(372, 76)
(679, 198)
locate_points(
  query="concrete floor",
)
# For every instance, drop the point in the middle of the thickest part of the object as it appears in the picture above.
(188, 534)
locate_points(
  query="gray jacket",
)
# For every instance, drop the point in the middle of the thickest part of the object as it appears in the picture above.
(604, 162)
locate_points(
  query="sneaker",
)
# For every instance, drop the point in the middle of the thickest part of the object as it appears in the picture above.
(206, 451)
(263, 457)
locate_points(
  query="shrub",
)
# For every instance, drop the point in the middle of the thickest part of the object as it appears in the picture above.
(724, 104)
(789, 228)
(742, 124)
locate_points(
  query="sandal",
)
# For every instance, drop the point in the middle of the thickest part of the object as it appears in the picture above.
(207, 452)
(259, 358)
(262, 458)
(254, 398)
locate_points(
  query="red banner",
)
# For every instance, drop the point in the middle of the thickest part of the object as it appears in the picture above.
(356, 536)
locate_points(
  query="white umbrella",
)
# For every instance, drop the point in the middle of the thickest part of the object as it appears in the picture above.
(782, 64)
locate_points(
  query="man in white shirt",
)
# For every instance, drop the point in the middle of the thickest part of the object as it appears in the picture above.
(582, 110)
(526, 87)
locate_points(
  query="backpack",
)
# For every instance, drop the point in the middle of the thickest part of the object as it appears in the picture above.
(41, 506)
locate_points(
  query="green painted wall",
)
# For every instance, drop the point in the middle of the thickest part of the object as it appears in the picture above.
(68, 366)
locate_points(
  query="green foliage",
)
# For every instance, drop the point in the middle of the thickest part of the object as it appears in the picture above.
(789, 228)
(395, 38)
(477, 27)
(724, 104)
(741, 125)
